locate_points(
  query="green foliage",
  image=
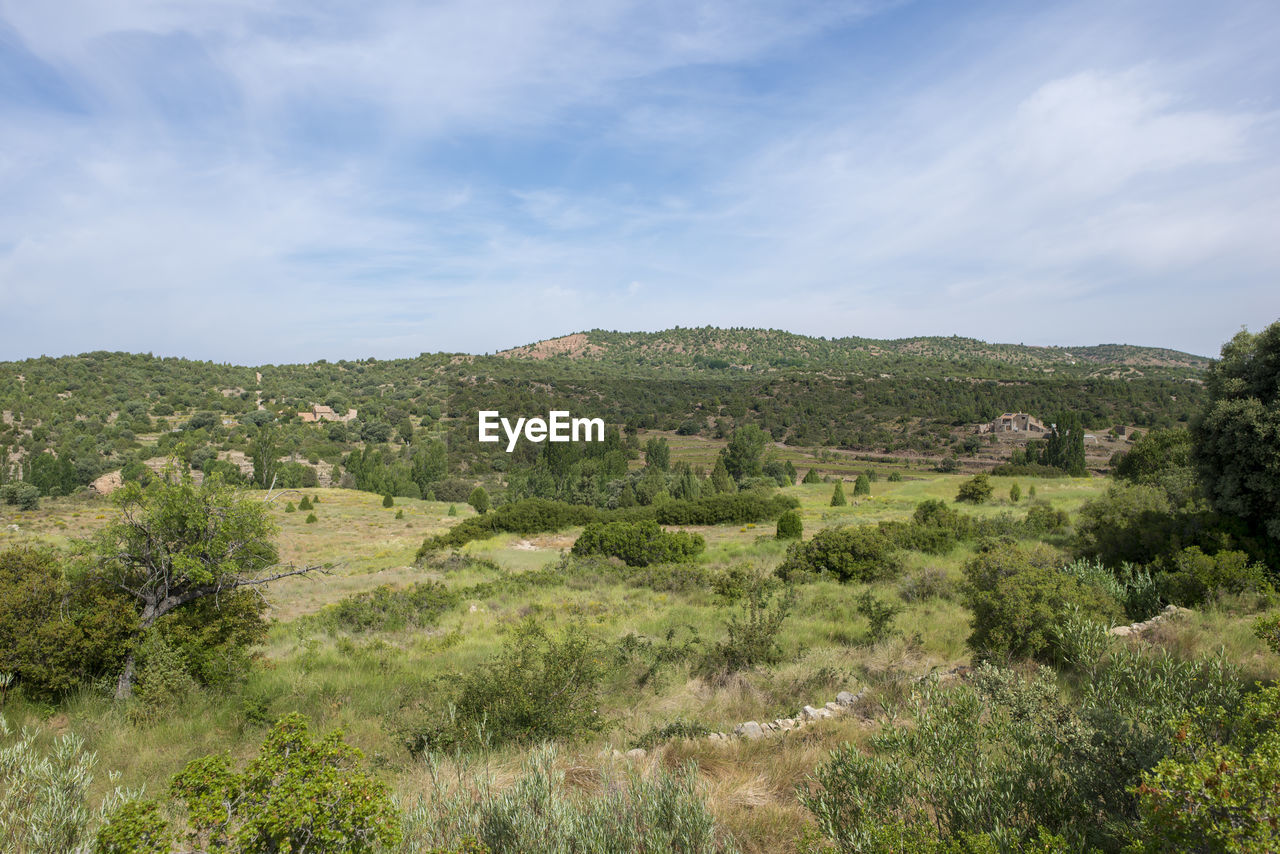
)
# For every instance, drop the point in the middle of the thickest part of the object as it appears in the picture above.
(812, 476)
(638, 543)
(1015, 493)
(300, 793)
(1019, 597)
(1133, 587)
(383, 609)
(540, 687)
(305, 503)
(742, 455)
(975, 490)
(837, 497)
(1044, 518)
(1153, 457)
(1217, 791)
(859, 553)
(43, 792)
(541, 813)
(56, 634)
(751, 635)
(289, 508)
(453, 510)
(388, 500)
(311, 519)
(721, 481)
(479, 500)
(1267, 630)
(736, 509)
(1193, 577)
(880, 616)
(25, 496)
(1236, 450)
(134, 827)
(862, 485)
(789, 526)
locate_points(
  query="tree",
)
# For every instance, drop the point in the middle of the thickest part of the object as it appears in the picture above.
(657, 454)
(721, 481)
(1237, 437)
(862, 485)
(837, 497)
(976, 490)
(265, 454)
(1064, 447)
(479, 500)
(789, 526)
(176, 543)
(1015, 493)
(388, 500)
(812, 476)
(742, 455)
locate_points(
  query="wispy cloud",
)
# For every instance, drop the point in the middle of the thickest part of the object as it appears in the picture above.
(288, 180)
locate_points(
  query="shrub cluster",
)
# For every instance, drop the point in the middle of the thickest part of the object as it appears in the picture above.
(383, 609)
(860, 553)
(638, 543)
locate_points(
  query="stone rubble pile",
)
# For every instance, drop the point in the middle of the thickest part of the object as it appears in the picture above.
(1169, 612)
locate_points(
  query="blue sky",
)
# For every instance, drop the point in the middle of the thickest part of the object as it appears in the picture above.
(286, 180)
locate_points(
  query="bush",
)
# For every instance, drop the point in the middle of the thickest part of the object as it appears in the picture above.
(976, 490)
(43, 792)
(1043, 518)
(789, 526)
(837, 497)
(539, 687)
(638, 543)
(305, 503)
(1193, 577)
(55, 635)
(1133, 587)
(812, 476)
(880, 616)
(292, 475)
(385, 610)
(388, 500)
(860, 553)
(1015, 494)
(731, 509)
(751, 637)
(862, 485)
(925, 585)
(479, 500)
(135, 827)
(311, 519)
(299, 794)
(25, 496)
(1019, 597)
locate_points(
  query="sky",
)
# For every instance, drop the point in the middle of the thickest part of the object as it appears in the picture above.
(270, 181)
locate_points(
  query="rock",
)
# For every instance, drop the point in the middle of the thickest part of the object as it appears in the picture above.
(846, 698)
(1122, 631)
(835, 708)
(822, 714)
(809, 713)
(750, 729)
(787, 723)
(636, 753)
(617, 754)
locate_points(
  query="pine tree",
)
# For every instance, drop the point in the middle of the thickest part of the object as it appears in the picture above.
(1015, 493)
(862, 486)
(837, 497)
(720, 480)
(812, 476)
(388, 501)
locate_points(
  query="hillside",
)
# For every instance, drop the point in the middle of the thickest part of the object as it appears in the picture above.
(766, 349)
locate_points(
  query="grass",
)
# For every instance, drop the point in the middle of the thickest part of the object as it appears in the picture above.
(367, 684)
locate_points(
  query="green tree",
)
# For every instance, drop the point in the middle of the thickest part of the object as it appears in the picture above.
(479, 500)
(721, 481)
(1064, 447)
(976, 490)
(264, 451)
(862, 485)
(837, 497)
(742, 455)
(657, 454)
(812, 476)
(789, 526)
(1015, 493)
(1237, 437)
(176, 543)
(388, 500)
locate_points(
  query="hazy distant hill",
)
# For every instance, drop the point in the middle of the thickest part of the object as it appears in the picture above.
(763, 349)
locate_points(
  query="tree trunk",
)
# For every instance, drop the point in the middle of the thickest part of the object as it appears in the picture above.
(124, 687)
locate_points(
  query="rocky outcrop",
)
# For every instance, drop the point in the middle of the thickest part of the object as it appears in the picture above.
(1170, 612)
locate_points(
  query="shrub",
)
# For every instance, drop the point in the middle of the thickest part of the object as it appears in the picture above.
(862, 485)
(311, 519)
(812, 476)
(539, 687)
(299, 794)
(926, 584)
(453, 510)
(1133, 587)
(976, 490)
(860, 553)
(751, 637)
(837, 497)
(289, 508)
(479, 500)
(55, 635)
(638, 543)
(385, 610)
(43, 792)
(728, 509)
(895, 477)
(293, 475)
(25, 495)
(1018, 597)
(880, 616)
(1267, 630)
(400, 513)
(388, 500)
(1193, 576)
(1043, 518)
(135, 827)
(305, 503)
(789, 526)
